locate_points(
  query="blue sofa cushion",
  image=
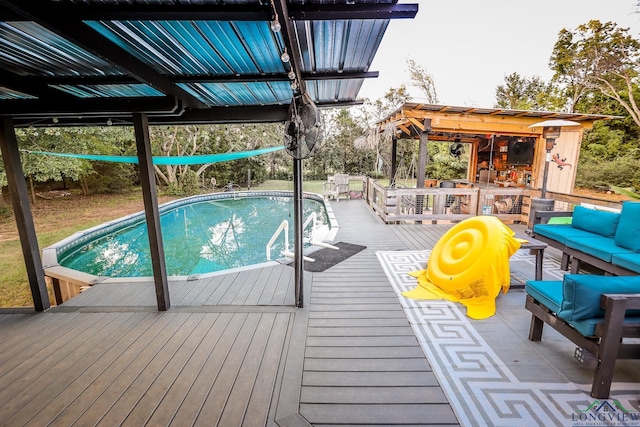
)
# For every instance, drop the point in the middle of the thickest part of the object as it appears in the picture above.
(628, 232)
(628, 261)
(600, 222)
(560, 232)
(599, 247)
(581, 294)
(549, 293)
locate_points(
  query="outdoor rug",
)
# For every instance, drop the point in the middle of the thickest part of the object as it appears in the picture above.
(492, 375)
(327, 258)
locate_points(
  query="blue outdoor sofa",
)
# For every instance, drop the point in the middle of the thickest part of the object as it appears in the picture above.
(597, 313)
(607, 240)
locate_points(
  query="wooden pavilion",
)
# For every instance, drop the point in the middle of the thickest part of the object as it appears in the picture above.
(504, 139)
(507, 159)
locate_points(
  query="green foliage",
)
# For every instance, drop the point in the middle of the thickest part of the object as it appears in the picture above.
(624, 171)
(110, 178)
(337, 153)
(528, 93)
(84, 140)
(443, 165)
(600, 58)
(193, 140)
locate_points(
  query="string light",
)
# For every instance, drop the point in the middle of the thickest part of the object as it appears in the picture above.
(109, 122)
(275, 24)
(291, 75)
(285, 57)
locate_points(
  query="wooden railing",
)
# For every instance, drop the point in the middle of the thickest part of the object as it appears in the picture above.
(430, 205)
(444, 204)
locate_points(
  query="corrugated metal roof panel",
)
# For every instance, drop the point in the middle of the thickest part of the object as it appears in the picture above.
(332, 91)
(27, 48)
(109, 91)
(197, 54)
(340, 45)
(6, 93)
(200, 47)
(237, 94)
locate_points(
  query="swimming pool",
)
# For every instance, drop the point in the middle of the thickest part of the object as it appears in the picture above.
(201, 234)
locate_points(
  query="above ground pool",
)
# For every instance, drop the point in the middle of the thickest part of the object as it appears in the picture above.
(201, 234)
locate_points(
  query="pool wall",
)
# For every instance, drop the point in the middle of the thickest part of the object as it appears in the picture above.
(68, 282)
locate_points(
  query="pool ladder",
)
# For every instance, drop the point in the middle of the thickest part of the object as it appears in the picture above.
(284, 227)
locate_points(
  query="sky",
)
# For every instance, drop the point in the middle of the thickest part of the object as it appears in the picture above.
(469, 46)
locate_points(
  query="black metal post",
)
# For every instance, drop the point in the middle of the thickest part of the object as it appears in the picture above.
(22, 212)
(298, 232)
(423, 155)
(152, 215)
(394, 160)
(545, 174)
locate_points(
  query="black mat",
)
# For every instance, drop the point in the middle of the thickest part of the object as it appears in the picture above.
(326, 258)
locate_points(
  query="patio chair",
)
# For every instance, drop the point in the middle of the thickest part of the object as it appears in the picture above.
(337, 187)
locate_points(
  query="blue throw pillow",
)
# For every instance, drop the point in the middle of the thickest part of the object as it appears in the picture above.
(628, 233)
(596, 221)
(581, 294)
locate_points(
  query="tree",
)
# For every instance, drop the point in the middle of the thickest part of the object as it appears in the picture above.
(337, 153)
(528, 93)
(192, 140)
(598, 57)
(424, 81)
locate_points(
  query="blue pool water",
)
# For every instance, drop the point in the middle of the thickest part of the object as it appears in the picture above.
(200, 237)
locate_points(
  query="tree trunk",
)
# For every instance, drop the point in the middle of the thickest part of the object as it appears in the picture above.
(3, 204)
(84, 187)
(33, 190)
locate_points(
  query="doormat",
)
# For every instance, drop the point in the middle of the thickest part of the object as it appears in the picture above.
(327, 258)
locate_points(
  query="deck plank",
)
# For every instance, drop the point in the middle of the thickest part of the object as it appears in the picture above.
(57, 377)
(379, 414)
(232, 350)
(106, 388)
(363, 363)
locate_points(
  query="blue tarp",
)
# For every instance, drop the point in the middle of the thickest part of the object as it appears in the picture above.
(169, 160)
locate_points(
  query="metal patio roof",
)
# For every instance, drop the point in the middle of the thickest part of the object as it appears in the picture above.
(70, 62)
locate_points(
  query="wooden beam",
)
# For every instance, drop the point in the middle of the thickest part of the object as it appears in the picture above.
(478, 125)
(22, 211)
(152, 214)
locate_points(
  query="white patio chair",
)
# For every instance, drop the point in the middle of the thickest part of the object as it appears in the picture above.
(337, 187)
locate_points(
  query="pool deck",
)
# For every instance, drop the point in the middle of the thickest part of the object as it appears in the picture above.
(233, 351)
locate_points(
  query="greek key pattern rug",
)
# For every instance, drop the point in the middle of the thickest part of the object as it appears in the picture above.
(479, 385)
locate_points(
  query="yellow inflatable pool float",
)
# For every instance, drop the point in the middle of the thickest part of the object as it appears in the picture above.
(469, 264)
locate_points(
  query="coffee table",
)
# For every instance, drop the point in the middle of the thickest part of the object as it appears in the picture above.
(536, 247)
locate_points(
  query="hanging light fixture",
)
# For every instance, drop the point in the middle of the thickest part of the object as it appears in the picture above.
(275, 24)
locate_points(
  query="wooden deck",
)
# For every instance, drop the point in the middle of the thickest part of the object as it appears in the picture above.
(231, 351)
